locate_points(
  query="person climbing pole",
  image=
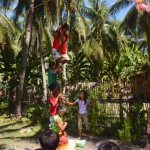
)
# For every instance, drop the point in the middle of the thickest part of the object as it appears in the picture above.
(53, 73)
(59, 49)
(54, 100)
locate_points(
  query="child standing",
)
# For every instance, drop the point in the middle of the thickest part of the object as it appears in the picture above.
(83, 103)
(59, 49)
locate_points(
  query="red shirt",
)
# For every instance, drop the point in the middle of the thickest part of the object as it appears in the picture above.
(64, 47)
(53, 108)
(57, 40)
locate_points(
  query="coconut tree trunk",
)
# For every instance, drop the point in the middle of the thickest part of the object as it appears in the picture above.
(147, 28)
(24, 58)
(64, 72)
(44, 97)
(64, 77)
(43, 76)
(60, 12)
(12, 99)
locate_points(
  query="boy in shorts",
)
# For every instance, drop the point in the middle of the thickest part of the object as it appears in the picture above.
(59, 49)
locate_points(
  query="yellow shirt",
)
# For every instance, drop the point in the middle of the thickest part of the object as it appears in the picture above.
(70, 146)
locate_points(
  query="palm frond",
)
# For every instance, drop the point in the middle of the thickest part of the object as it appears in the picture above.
(21, 6)
(119, 5)
(130, 19)
(6, 3)
(10, 33)
(93, 50)
(8, 23)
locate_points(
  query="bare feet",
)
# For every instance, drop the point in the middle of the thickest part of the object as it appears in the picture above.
(79, 138)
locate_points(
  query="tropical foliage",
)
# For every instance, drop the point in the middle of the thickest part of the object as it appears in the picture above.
(102, 50)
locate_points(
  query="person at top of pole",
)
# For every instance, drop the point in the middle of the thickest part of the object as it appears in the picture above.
(59, 49)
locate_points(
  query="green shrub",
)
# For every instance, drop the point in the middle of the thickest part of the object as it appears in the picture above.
(3, 107)
(72, 111)
(96, 111)
(124, 133)
(134, 124)
(137, 117)
(39, 114)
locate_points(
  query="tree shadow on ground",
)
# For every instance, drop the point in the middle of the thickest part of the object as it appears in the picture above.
(9, 132)
(5, 126)
(72, 133)
(2, 146)
(14, 130)
(26, 139)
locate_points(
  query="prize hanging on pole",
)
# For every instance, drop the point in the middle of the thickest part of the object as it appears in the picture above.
(143, 5)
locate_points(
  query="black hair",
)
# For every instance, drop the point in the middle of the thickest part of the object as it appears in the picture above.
(65, 26)
(60, 107)
(53, 86)
(51, 64)
(49, 140)
(85, 96)
(108, 145)
(63, 83)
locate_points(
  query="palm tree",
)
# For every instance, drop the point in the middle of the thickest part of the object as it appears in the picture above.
(19, 8)
(11, 46)
(78, 68)
(104, 40)
(24, 57)
(134, 20)
(42, 42)
(53, 12)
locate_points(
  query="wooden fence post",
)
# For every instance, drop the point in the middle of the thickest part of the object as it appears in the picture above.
(121, 106)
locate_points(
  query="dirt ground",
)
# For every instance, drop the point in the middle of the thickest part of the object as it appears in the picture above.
(93, 143)
(21, 135)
